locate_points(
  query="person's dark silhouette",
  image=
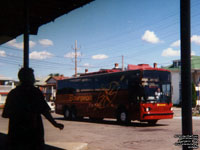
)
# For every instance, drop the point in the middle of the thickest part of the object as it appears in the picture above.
(24, 106)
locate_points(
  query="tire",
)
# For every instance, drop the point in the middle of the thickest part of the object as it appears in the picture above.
(152, 122)
(122, 117)
(73, 113)
(67, 113)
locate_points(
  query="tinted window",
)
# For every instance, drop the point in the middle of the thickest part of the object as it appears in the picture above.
(68, 86)
(101, 82)
(86, 83)
(161, 76)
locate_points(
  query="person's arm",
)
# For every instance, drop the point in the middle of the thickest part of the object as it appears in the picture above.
(49, 117)
(44, 109)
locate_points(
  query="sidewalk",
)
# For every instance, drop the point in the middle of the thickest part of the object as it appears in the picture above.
(50, 145)
(66, 146)
(177, 111)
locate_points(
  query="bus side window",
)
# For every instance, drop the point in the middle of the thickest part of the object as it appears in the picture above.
(87, 84)
(166, 89)
(100, 83)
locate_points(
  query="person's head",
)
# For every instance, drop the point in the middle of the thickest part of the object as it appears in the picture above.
(26, 75)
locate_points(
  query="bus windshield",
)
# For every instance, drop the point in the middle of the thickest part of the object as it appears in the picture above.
(157, 87)
(160, 93)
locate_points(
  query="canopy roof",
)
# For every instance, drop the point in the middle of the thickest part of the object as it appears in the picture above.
(41, 12)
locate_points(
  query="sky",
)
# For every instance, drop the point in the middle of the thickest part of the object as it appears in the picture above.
(143, 32)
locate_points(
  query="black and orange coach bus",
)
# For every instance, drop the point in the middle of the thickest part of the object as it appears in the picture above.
(140, 93)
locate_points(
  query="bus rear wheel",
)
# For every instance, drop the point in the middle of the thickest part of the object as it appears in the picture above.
(67, 113)
(73, 113)
(122, 117)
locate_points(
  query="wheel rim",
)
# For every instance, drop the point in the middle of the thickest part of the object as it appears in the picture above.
(67, 113)
(123, 116)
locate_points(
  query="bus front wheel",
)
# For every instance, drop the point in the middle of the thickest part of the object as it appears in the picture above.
(73, 113)
(122, 117)
(152, 122)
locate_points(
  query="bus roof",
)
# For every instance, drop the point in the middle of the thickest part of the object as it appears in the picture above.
(101, 71)
(129, 68)
(144, 67)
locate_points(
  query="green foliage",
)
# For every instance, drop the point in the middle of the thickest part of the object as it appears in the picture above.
(54, 74)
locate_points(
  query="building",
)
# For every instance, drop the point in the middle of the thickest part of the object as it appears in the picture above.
(175, 69)
(6, 85)
(48, 86)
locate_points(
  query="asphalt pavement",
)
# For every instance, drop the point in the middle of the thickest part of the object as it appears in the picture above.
(76, 140)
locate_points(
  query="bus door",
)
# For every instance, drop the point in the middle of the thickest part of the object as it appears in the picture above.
(135, 97)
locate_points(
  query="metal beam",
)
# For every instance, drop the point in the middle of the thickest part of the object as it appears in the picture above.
(186, 90)
(26, 33)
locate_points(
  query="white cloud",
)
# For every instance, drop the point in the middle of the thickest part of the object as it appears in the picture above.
(46, 42)
(14, 43)
(72, 55)
(100, 56)
(150, 37)
(193, 53)
(176, 44)
(2, 53)
(87, 65)
(169, 52)
(40, 55)
(31, 44)
(20, 45)
(195, 39)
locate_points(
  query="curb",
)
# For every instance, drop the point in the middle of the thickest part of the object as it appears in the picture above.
(69, 145)
(193, 118)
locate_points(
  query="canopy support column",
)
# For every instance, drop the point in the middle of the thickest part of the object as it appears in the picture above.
(186, 90)
(26, 33)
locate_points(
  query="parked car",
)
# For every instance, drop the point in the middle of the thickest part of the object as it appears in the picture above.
(51, 105)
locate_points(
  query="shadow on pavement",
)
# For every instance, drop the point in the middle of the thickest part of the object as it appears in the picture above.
(49, 147)
(3, 138)
(114, 122)
(2, 141)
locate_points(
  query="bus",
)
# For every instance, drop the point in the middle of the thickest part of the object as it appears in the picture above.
(141, 92)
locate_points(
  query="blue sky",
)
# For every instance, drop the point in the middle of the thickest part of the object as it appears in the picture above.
(142, 31)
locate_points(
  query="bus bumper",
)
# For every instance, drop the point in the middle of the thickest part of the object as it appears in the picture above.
(156, 116)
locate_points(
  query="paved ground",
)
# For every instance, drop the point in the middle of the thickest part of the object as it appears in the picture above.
(107, 135)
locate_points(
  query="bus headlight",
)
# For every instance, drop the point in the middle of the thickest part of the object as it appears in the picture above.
(171, 109)
(147, 109)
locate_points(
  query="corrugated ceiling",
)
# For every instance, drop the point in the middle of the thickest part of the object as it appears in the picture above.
(41, 12)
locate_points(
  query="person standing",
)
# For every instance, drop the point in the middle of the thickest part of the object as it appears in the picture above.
(24, 106)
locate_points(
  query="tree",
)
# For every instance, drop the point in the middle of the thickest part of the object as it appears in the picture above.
(55, 74)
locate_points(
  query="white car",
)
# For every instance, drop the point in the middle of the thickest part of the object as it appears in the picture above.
(51, 105)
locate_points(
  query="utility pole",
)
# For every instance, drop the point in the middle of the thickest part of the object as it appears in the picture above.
(75, 56)
(122, 63)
